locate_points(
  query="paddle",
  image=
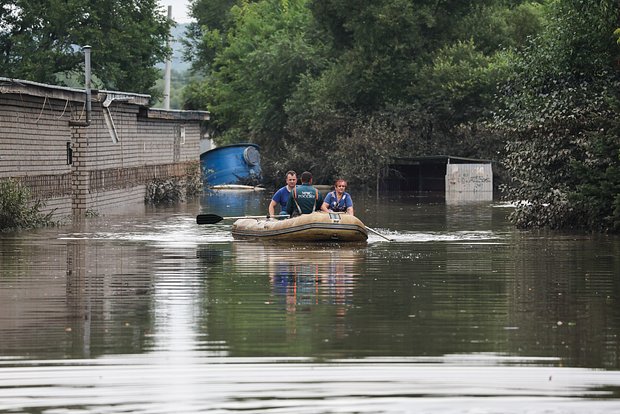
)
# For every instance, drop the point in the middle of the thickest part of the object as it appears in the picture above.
(367, 228)
(378, 234)
(214, 218)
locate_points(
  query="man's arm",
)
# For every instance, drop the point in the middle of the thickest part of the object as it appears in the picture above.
(272, 208)
(290, 205)
(319, 201)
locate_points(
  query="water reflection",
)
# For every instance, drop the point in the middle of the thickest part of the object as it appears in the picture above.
(278, 299)
(564, 298)
(460, 314)
(109, 288)
(32, 296)
(235, 203)
(301, 280)
(313, 276)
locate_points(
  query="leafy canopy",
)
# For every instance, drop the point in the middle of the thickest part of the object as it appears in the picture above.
(560, 117)
(41, 41)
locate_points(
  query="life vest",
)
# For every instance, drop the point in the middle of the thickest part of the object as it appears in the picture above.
(316, 195)
(295, 193)
(338, 205)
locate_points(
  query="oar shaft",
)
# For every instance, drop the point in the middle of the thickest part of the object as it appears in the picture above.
(244, 217)
(214, 218)
(377, 233)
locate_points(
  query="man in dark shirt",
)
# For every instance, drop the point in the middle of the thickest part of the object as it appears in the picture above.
(304, 198)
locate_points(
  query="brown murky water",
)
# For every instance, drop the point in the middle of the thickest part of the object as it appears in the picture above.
(461, 313)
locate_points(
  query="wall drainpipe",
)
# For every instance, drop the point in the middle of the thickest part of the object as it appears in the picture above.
(87, 78)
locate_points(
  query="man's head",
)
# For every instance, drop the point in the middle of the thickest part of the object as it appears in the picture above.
(306, 177)
(291, 178)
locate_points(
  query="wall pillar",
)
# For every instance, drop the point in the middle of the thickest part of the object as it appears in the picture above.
(80, 177)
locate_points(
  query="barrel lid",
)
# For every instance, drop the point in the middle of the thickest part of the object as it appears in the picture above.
(251, 156)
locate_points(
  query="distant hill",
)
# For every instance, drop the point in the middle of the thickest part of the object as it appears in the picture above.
(178, 33)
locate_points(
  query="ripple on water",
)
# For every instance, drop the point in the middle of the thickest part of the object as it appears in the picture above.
(156, 314)
(190, 383)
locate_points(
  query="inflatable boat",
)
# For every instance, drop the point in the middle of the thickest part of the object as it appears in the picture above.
(315, 227)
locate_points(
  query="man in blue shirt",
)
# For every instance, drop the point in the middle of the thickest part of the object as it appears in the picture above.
(304, 198)
(281, 196)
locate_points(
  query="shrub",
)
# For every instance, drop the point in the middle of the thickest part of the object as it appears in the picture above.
(18, 210)
(164, 191)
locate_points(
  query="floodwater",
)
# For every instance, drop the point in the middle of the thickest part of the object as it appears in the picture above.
(149, 312)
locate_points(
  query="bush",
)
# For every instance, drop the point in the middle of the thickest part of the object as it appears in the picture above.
(164, 191)
(559, 116)
(18, 210)
(175, 189)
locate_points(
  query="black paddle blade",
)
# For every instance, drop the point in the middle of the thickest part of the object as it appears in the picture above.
(208, 218)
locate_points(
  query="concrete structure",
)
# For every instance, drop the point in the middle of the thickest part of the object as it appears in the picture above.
(75, 166)
(456, 179)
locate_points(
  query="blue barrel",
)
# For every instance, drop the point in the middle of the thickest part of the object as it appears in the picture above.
(231, 164)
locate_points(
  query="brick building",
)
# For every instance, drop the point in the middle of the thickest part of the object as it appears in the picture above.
(76, 163)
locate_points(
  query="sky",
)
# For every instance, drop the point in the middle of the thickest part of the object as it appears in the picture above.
(179, 9)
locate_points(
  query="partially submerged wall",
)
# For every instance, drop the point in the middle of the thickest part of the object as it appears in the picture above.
(457, 179)
(106, 165)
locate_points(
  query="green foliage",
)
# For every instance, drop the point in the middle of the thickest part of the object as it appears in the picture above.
(461, 82)
(252, 77)
(436, 88)
(494, 27)
(597, 193)
(41, 41)
(207, 35)
(560, 120)
(18, 210)
(275, 69)
(376, 141)
(340, 87)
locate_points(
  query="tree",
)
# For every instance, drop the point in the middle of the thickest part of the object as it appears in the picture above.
(251, 78)
(295, 75)
(414, 69)
(560, 119)
(41, 41)
(207, 35)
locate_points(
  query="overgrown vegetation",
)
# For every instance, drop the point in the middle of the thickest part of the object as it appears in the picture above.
(193, 180)
(164, 191)
(175, 189)
(560, 121)
(308, 80)
(340, 90)
(18, 210)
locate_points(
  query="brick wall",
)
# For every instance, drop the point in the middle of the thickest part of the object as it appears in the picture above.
(34, 132)
(74, 169)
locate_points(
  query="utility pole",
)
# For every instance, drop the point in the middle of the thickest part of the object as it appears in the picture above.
(168, 69)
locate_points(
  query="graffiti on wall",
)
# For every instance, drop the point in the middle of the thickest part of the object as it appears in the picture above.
(469, 182)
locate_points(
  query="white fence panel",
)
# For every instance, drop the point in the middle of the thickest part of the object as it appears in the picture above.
(469, 182)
